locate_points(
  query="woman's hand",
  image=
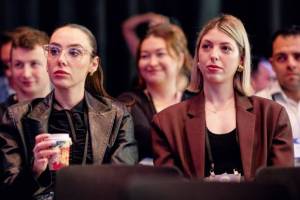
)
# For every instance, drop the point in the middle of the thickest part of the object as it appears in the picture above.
(42, 151)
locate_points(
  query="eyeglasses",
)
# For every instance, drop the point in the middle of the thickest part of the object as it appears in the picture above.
(72, 54)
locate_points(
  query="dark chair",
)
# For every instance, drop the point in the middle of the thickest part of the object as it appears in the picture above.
(180, 190)
(288, 177)
(107, 182)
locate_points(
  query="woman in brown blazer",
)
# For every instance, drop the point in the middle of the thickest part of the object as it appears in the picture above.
(223, 132)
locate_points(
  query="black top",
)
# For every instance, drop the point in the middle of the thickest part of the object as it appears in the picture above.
(11, 100)
(59, 122)
(225, 152)
(142, 110)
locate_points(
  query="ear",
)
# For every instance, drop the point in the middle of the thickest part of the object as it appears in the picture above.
(181, 59)
(242, 61)
(94, 64)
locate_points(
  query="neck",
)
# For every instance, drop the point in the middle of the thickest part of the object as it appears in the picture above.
(295, 95)
(164, 96)
(68, 98)
(218, 95)
(162, 92)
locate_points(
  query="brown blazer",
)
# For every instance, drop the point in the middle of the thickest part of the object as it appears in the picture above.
(264, 132)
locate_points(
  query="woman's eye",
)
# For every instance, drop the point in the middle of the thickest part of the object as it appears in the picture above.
(74, 52)
(226, 49)
(160, 54)
(144, 56)
(54, 51)
(206, 46)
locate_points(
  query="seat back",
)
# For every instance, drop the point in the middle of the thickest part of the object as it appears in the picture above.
(288, 177)
(178, 190)
(103, 182)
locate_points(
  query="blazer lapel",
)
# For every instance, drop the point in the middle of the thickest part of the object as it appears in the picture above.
(101, 118)
(195, 132)
(246, 132)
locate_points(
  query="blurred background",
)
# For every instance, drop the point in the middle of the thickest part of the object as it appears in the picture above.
(105, 18)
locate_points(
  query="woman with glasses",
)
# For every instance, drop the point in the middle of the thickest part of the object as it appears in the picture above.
(223, 133)
(101, 129)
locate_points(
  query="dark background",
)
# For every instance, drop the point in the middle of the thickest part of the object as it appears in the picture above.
(104, 18)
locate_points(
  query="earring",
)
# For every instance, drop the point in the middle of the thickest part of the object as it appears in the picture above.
(240, 68)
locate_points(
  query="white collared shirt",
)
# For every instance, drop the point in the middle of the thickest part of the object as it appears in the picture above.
(274, 92)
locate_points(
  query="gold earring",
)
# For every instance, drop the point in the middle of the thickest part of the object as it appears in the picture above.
(240, 68)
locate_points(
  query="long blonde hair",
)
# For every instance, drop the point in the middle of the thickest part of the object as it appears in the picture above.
(235, 29)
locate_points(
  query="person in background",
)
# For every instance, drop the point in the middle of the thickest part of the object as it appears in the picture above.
(262, 74)
(6, 83)
(28, 67)
(101, 128)
(223, 133)
(285, 60)
(5, 48)
(164, 63)
(131, 24)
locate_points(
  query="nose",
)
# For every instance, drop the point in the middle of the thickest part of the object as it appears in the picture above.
(27, 71)
(153, 60)
(291, 62)
(214, 54)
(62, 59)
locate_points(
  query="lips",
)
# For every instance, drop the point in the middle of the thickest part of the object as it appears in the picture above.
(213, 68)
(27, 83)
(60, 73)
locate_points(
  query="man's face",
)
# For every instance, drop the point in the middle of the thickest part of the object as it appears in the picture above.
(29, 71)
(286, 62)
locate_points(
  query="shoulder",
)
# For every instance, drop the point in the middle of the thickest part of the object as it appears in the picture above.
(266, 108)
(269, 91)
(176, 112)
(104, 104)
(132, 96)
(264, 103)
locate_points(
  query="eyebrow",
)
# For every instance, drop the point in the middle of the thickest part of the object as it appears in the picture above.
(70, 45)
(159, 49)
(222, 43)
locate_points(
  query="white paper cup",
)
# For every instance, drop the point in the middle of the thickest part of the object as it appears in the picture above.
(62, 142)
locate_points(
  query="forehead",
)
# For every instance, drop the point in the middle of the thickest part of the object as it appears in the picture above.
(287, 44)
(67, 36)
(153, 43)
(216, 36)
(27, 54)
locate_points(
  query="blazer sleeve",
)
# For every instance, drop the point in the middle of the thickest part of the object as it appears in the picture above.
(16, 178)
(162, 152)
(282, 151)
(125, 146)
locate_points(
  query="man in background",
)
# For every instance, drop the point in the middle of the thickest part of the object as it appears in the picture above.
(285, 60)
(28, 67)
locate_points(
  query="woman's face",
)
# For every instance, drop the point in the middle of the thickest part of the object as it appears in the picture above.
(69, 58)
(156, 65)
(218, 56)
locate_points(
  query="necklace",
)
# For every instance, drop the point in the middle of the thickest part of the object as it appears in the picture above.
(215, 110)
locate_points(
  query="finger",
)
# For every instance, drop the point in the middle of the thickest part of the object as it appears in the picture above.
(41, 137)
(43, 145)
(45, 154)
